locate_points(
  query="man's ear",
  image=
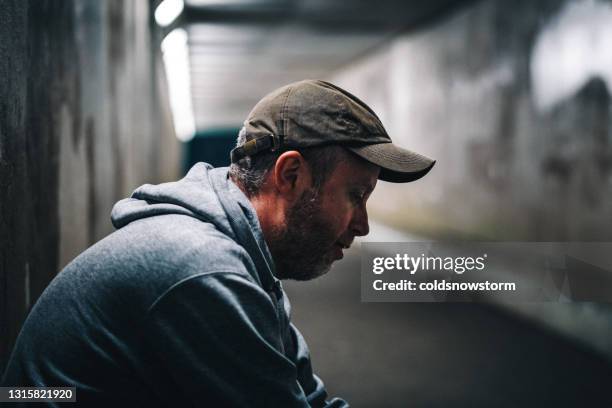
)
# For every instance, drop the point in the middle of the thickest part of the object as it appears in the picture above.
(292, 174)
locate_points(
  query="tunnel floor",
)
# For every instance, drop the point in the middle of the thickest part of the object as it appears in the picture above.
(439, 354)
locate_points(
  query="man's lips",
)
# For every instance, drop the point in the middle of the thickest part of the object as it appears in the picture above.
(338, 251)
(338, 247)
(344, 244)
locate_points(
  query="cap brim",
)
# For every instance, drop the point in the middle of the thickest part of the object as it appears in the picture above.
(397, 165)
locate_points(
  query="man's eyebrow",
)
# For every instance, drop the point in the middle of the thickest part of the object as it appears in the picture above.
(369, 187)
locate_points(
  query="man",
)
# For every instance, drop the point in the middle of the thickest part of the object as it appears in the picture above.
(182, 305)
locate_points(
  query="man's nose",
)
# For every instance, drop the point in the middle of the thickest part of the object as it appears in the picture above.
(359, 224)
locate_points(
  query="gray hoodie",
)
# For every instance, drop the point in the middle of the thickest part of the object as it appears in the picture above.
(178, 307)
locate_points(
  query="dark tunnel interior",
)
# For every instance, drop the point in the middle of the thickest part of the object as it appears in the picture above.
(512, 99)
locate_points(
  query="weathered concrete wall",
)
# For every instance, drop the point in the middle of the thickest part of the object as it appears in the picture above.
(513, 100)
(83, 120)
(464, 92)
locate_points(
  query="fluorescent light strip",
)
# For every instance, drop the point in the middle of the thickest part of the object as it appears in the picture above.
(176, 61)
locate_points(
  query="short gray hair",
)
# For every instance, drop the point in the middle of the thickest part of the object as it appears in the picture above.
(250, 172)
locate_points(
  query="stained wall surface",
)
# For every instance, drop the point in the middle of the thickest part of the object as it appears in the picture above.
(84, 119)
(513, 100)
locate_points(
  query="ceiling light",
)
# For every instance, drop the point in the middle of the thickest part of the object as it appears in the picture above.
(176, 61)
(168, 11)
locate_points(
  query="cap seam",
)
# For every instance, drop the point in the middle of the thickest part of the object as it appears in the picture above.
(284, 113)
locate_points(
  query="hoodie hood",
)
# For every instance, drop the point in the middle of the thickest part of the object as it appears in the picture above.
(205, 193)
(193, 195)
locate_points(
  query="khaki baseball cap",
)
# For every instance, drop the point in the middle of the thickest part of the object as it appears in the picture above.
(313, 113)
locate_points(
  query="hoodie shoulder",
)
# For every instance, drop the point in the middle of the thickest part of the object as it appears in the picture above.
(172, 231)
(181, 244)
(142, 260)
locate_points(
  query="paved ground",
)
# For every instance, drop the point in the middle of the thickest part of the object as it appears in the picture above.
(439, 355)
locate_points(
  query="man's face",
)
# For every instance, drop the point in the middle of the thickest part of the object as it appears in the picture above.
(323, 223)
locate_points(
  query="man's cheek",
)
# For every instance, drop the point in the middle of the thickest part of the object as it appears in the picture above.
(339, 221)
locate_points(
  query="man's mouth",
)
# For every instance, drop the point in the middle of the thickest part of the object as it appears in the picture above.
(338, 247)
(343, 245)
(338, 251)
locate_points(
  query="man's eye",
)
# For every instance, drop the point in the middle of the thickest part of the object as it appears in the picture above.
(357, 196)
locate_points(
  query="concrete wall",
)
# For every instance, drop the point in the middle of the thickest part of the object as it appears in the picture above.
(84, 119)
(513, 100)
(483, 93)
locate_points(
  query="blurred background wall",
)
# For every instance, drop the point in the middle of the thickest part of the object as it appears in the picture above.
(513, 100)
(84, 119)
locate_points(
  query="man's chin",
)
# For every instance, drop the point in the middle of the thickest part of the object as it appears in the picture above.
(304, 275)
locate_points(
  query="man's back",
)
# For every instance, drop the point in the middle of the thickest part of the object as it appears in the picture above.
(169, 310)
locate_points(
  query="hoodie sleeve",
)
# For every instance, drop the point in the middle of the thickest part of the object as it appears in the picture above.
(312, 385)
(218, 336)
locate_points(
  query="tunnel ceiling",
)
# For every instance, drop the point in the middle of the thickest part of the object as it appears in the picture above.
(239, 49)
